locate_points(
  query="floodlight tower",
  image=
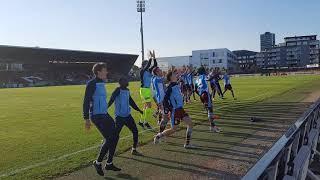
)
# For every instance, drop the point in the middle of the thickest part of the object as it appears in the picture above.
(141, 9)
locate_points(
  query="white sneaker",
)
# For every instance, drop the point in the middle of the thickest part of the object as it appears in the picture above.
(156, 140)
(189, 146)
(215, 129)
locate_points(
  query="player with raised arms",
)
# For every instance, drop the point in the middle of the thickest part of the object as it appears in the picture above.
(145, 90)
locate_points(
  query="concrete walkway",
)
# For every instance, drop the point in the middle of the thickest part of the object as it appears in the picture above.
(227, 155)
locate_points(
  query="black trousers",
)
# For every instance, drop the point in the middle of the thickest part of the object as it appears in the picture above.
(129, 122)
(106, 126)
(215, 87)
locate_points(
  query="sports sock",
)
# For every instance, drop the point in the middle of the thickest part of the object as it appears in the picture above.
(163, 125)
(160, 117)
(211, 119)
(188, 135)
(97, 162)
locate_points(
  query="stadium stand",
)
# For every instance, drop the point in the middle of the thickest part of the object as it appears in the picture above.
(29, 66)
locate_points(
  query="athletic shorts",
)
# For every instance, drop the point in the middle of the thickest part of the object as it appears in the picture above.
(183, 87)
(189, 87)
(228, 87)
(205, 99)
(177, 115)
(145, 94)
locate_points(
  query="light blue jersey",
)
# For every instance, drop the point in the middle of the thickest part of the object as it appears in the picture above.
(122, 106)
(226, 79)
(190, 79)
(147, 79)
(173, 97)
(202, 84)
(122, 99)
(158, 89)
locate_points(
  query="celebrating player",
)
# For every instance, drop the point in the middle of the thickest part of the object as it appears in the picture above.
(205, 97)
(158, 90)
(227, 84)
(214, 83)
(190, 85)
(123, 101)
(173, 102)
(183, 83)
(95, 109)
(145, 91)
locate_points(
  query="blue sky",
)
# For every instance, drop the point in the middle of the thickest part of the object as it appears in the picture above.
(172, 27)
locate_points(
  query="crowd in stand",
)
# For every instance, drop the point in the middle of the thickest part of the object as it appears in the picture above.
(30, 79)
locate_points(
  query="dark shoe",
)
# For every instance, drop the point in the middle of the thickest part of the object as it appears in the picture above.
(141, 124)
(98, 168)
(136, 153)
(147, 125)
(112, 167)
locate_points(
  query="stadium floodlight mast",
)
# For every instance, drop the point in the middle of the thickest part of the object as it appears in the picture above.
(141, 9)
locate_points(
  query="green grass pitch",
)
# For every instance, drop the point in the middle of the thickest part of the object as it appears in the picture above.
(42, 125)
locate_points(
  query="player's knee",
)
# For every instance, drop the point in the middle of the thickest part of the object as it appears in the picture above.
(163, 122)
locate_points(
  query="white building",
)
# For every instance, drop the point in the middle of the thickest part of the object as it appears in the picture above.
(165, 63)
(215, 58)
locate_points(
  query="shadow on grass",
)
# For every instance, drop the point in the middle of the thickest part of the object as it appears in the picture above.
(186, 167)
(225, 151)
(195, 152)
(232, 144)
(126, 176)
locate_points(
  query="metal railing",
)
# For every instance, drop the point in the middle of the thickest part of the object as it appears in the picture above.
(290, 156)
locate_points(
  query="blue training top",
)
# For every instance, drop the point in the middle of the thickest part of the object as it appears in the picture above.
(190, 78)
(158, 88)
(95, 99)
(226, 79)
(146, 74)
(173, 98)
(202, 84)
(123, 101)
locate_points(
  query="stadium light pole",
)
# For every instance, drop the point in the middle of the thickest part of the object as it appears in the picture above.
(141, 9)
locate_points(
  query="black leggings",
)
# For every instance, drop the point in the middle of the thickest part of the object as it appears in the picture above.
(106, 126)
(215, 87)
(129, 122)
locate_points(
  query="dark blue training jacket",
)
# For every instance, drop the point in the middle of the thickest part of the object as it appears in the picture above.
(95, 99)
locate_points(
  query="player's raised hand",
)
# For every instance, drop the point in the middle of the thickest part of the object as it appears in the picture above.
(153, 54)
(150, 55)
